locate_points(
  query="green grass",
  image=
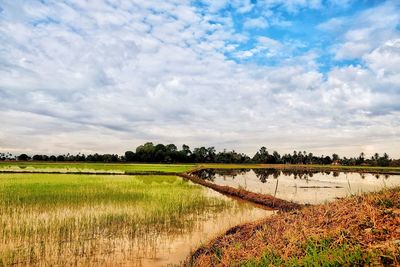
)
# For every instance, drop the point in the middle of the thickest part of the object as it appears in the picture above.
(57, 219)
(99, 167)
(168, 168)
(318, 253)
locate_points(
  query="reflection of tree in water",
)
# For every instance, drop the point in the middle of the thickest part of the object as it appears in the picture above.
(263, 174)
(206, 174)
(300, 174)
(210, 174)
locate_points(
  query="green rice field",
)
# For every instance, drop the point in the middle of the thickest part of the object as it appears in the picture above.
(60, 219)
(94, 167)
(135, 168)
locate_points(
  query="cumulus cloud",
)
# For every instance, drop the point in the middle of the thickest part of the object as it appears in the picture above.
(105, 76)
(256, 23)
(366, 31)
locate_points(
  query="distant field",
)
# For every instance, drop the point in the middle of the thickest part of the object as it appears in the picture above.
(58, 219)
(97, 167)
(169, 168)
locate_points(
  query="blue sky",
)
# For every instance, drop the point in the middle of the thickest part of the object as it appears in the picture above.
(299, 28)
(108, 75)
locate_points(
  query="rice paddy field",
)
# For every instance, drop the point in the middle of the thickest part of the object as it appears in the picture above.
(157, 168)
(94, 167)
(60, 214)
(96, 220)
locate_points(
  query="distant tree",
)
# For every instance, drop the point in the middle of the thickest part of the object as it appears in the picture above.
(327, 160)
(169, 153)
(384, 160)
(211, 154)
(310, 158)
(37, 157)
(129, 156)
(159, 153)
(200, 154)
(172, 153)
(185, 155)
(23, 157)
(276, 157)
(171, 148)
(145, 153)
(261, 156)
(186, 150)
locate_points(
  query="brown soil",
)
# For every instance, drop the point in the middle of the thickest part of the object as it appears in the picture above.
(371, 221)
(265, 200)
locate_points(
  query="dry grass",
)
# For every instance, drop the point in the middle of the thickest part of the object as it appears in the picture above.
(362, 229)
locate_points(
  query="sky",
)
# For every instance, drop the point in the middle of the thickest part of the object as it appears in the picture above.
(108, 75)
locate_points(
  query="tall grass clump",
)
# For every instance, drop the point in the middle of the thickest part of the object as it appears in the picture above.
(56, 219)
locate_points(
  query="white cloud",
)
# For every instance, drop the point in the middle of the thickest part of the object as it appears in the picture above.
(243, 6)
(293, 6)
(334, 24)
(215, 5)
(259, 22)
(385, 59)
(366, 31)
(93, 76)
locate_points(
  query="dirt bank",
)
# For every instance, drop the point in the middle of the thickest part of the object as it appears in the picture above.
(265, 200)
(359, 230)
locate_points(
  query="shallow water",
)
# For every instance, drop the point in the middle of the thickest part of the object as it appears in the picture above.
(301, 186)
(175, 248)
(172, 248)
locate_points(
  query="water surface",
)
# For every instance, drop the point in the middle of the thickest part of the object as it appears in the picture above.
(175, 249)
(300, 186)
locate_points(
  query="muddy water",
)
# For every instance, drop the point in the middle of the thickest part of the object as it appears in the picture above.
(175, 248)
(301, 186)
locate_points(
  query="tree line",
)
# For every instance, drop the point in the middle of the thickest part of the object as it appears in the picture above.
(170, 153)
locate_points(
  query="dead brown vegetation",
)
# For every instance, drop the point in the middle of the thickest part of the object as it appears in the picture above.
(370, 221)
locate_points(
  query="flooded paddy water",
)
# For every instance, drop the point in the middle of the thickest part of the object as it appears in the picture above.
(304, 187)
(174, 249)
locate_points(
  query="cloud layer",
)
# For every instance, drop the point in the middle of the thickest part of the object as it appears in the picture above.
(105, 76)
